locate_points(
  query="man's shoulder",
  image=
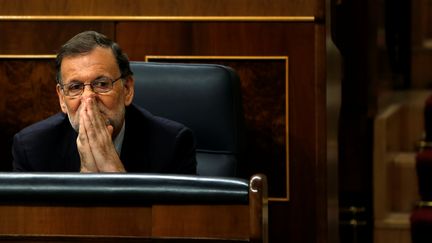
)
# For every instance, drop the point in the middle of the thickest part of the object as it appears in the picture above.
(49, 124)
(165, 146)
(153, 121)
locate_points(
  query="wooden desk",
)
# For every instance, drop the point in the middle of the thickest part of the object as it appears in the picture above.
(183, 221)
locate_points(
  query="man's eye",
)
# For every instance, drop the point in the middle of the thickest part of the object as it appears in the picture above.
(75, 86)
(101, 84)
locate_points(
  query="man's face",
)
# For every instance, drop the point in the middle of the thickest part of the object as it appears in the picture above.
(85, 68)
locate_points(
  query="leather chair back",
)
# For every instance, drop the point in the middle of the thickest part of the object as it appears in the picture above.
(205, 98)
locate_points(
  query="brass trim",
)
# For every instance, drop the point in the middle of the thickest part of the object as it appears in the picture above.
(285, 58)
(354, 222)
(422, 145)
(422, 204)
(148, 57)
(157, 18)
(25, 56)
(352, 209)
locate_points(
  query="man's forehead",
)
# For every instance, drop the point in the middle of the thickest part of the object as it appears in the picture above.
(99, 60)
(105, 54)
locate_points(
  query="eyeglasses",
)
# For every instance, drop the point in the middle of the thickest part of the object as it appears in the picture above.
(100, 85)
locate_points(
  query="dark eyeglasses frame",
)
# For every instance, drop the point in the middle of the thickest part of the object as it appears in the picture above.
(65, 87)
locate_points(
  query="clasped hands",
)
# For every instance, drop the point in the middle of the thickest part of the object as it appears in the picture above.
(94, 141)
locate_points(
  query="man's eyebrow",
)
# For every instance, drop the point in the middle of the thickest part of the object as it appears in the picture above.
(101, 76)
(80, 81)
(75, 81)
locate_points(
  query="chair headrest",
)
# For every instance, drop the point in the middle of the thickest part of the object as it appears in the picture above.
(204, 97)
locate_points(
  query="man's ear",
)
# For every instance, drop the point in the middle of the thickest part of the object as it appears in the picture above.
(61, 99)
(128, 90)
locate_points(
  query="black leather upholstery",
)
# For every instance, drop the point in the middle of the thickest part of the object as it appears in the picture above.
(204, 97)
(120, 189)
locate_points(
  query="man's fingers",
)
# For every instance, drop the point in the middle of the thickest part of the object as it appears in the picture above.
(88, 163)
(95, 116)
(110, 129)
(98, 137)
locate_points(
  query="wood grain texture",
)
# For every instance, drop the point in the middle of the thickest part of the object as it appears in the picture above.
(161, 7)
(27, 95)
(258, 208)
(291, 221)
(156, 223)
(178, 222)
(85, 221)
(302, 219)
(218, 221)
(42, 37)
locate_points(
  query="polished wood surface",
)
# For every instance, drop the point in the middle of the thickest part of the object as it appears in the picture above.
(74, 220)
(41, 220)
(211, 221)
(43, 37)
(258, 208)
(27, 95)
(160, 7)
(75, 223)
(202, 221)
(92, 239)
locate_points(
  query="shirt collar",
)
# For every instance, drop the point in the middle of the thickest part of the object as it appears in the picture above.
(118, 141)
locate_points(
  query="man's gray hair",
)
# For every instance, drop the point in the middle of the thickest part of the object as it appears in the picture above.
(84, 43)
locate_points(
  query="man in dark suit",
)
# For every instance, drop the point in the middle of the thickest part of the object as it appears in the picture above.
(99, 129)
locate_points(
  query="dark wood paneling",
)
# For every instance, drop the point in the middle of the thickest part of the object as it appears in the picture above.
(27, 95)
(169, 221)
(160, 7)
(29, 37)
(321, 164)
(84, 221)
(156, 223)
(301, 219)
(264, 98)
(139, 39)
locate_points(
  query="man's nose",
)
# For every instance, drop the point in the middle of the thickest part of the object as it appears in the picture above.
(88, 91)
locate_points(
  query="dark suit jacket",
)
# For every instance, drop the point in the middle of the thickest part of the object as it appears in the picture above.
(151, 144)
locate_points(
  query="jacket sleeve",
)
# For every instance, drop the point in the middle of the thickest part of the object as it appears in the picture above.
(20, 161)
(184, 154)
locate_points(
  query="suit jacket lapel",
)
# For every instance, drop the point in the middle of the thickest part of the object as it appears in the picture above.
(69, 151)
(134, 154)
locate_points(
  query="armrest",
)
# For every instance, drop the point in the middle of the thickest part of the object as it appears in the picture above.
(142, 189)
(73, 207)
